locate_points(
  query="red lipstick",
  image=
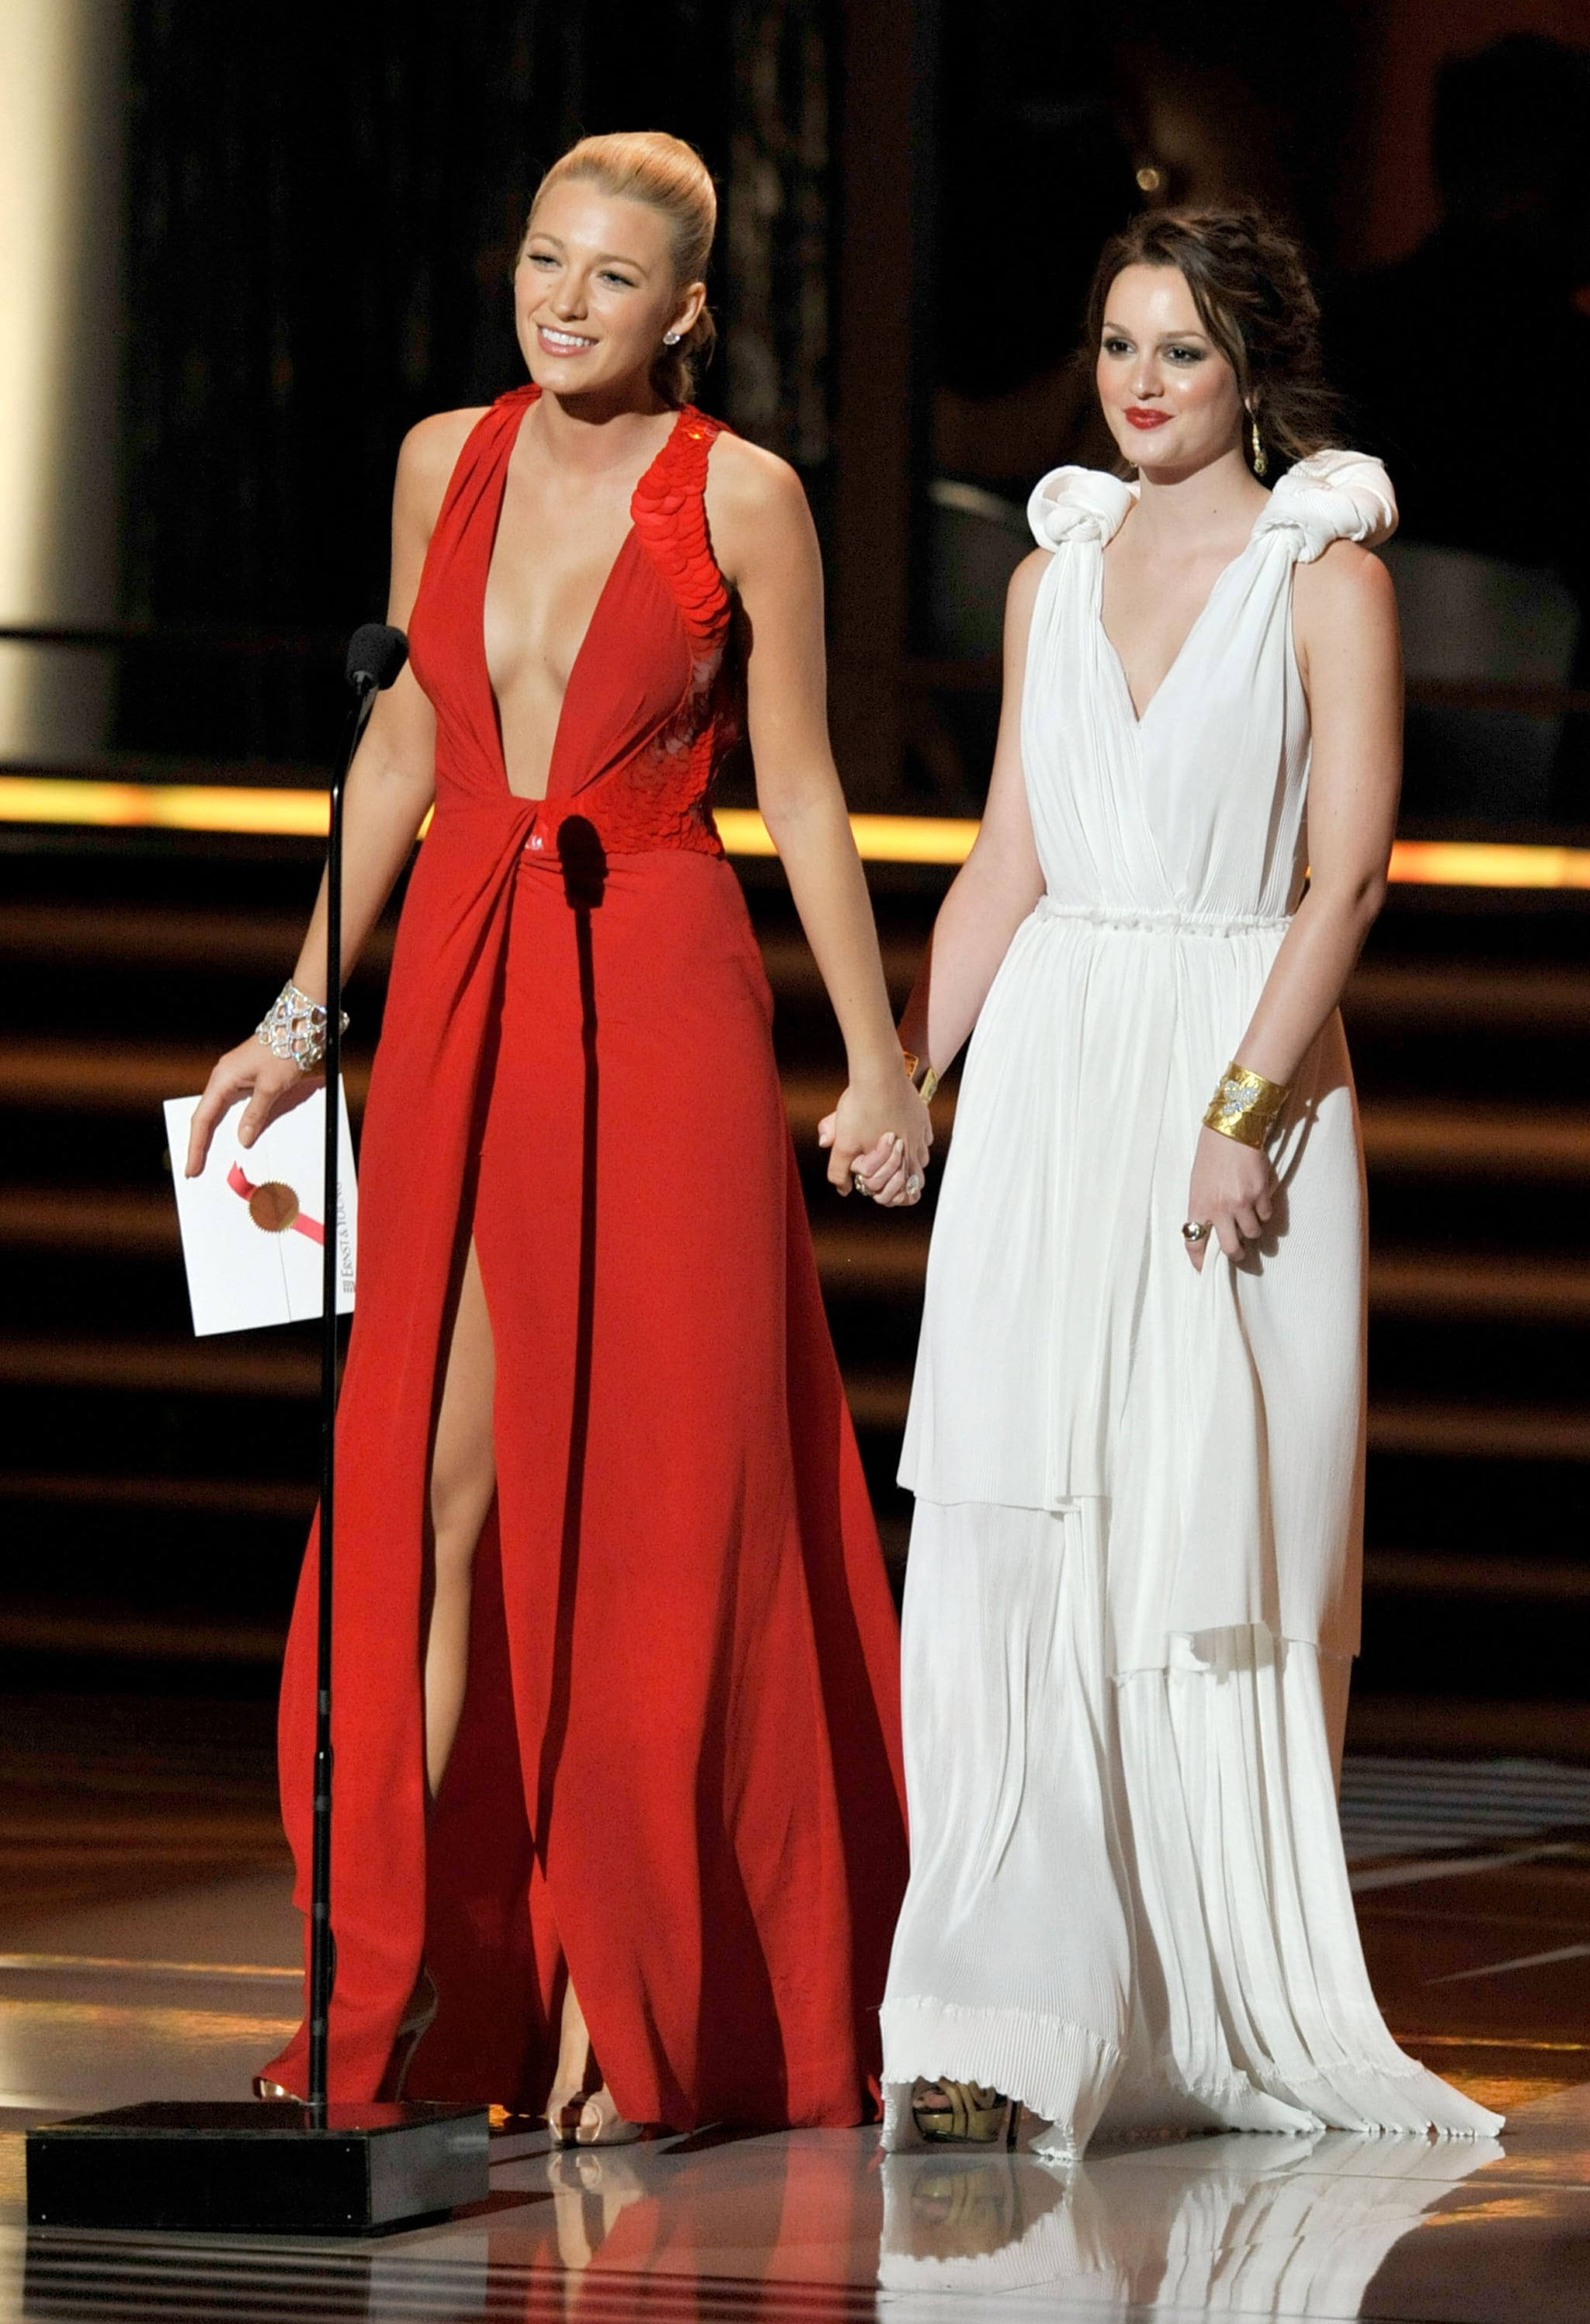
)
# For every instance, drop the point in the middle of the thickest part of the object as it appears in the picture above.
(1139, 415)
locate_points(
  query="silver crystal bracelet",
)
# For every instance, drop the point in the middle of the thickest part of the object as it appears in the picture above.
(294, 1027)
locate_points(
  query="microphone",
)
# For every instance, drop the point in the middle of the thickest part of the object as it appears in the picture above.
(376, 653)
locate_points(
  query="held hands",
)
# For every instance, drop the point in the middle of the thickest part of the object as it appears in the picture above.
(272, 1086)
(1231, 1195)
(878, 1137)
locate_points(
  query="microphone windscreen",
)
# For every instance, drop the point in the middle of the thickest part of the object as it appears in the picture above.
(376, 653)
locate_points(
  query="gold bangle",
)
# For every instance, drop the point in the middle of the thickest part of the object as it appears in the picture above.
(1245, 1105)
(929, 1081)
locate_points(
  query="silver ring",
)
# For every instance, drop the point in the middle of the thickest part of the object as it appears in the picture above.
(858, 1180)
(1197, 1231)
(913, 1185)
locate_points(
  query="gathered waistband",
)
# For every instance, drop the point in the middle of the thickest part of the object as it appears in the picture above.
(1164, 923)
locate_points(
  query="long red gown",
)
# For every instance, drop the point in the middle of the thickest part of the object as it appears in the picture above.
(678, 1778)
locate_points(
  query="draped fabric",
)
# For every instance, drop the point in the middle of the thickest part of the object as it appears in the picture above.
(1085, 1358)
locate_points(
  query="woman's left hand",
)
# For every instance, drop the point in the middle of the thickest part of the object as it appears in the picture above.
(1230, 1193)
(877, 1138)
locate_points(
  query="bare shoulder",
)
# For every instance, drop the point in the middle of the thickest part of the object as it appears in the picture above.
(751, 482)
(428, 455)
(756, 506)
(1024, 581)
(1021, 596)
(1347, 589)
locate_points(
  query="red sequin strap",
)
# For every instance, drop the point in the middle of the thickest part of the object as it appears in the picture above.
(669, 513)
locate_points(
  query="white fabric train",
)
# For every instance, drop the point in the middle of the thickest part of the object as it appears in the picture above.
(1135, 1570)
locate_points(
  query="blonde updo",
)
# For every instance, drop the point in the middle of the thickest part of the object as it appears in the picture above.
(648, 165)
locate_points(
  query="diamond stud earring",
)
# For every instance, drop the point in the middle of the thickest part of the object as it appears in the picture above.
(671, 338)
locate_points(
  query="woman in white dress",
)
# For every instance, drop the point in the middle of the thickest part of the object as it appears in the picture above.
(1136, 1434)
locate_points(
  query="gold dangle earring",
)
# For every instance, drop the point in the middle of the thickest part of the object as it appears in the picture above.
(1260, 464)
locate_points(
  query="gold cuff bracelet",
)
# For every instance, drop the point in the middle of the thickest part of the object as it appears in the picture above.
(1245, 1106)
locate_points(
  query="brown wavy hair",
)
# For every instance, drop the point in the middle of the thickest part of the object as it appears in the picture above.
(648, 165)
(1250, 284)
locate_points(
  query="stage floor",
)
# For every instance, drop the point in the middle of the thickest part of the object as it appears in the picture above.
(813, 2226)
(147, 1948)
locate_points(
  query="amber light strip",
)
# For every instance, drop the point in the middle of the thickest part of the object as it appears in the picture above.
(1466, 863)
(879, 838)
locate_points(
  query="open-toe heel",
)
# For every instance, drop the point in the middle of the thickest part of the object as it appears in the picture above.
(416, 2022)
(582, 2117)
(589, 2118)
(964, 2114)
(418, 2016)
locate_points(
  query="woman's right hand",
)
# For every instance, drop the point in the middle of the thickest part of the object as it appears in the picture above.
(273, 1086)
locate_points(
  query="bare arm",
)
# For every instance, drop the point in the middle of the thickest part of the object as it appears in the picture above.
(1001, 879)
(1344, 623)
(389, 786)
(765, 542)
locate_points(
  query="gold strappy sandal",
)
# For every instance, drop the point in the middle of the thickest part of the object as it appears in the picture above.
(964, 2114)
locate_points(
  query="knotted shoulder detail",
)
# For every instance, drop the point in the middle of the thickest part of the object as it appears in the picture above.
(670, 513)
(1331, 496)
(1078, 504)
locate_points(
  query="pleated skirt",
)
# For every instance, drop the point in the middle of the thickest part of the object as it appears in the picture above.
(1129, 1905)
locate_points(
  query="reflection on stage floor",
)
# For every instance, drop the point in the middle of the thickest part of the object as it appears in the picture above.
(137, 1960)
(815, 2225)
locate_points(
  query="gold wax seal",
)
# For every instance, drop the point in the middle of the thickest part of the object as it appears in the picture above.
(273, 1207)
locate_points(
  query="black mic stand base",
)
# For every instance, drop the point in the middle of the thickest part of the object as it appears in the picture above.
(270, 2167)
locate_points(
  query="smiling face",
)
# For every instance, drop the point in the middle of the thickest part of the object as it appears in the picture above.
(1169, 395)
(593, 292)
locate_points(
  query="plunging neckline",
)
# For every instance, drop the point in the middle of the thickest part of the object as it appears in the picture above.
(1136, 715)
(625, 551)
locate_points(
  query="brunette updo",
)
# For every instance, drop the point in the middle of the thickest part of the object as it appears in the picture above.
(1250, 287)
(648, 165)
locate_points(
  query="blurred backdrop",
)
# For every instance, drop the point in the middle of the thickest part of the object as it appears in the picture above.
(245, 249)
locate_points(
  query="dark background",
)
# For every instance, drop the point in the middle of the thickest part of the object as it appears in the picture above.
(322, 215)
(322, 206)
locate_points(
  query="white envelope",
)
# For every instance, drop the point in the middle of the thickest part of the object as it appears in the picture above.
(251, 1221)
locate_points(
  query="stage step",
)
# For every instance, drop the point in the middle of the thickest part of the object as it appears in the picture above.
(128, 972)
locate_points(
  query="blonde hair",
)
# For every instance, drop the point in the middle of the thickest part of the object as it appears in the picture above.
(648, 165)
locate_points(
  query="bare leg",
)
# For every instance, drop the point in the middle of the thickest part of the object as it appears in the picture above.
(579, 2114)
(463, 1479)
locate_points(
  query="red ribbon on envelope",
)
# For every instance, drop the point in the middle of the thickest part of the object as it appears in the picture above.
(273, 1206)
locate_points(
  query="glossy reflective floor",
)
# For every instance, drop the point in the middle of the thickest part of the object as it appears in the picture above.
(147, 1950)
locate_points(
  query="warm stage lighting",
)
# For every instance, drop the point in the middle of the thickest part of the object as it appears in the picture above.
(1465, 863)
(63, 102)
(879, 838)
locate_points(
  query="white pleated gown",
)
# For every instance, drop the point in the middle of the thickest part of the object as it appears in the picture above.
(1132, 1594)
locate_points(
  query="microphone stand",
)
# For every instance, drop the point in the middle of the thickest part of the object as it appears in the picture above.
(321, 1960)
(280, 2166)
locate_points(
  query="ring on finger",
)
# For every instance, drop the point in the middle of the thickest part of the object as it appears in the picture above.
(913, 1185)
(858, 1180)
(1198, 1231)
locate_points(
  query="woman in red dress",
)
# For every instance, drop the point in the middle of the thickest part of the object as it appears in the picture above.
(618, 1793)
